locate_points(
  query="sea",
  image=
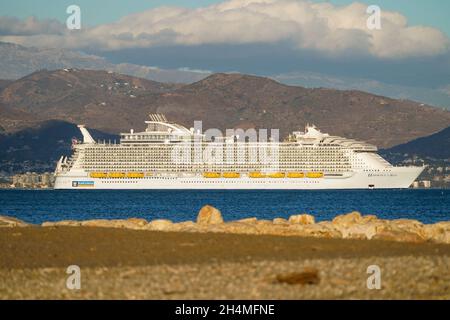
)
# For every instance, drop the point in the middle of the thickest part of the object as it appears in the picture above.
(37, 206)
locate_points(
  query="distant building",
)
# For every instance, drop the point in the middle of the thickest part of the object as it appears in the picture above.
(426, 183)
(33, 180)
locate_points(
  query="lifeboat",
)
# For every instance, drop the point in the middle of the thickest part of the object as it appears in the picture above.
(295, 175)
(98, 175)
(135, 175)
(211, 175)
(276, 175)
(314, 175)
(256, 174)
(116, 175)
(231, 175)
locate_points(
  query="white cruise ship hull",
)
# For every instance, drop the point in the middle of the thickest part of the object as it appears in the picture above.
(396, 178)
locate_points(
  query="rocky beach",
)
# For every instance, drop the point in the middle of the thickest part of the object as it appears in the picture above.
(295, 258)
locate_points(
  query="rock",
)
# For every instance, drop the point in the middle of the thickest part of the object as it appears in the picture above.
(275, 229)
(70, 223)
(302, 219)
(348, 219)
(438, 232)
(264, 222)
(161, 225)
(140, 222)
(48, 224)
(308, 276)
(355, 226)
(63, 223)
(280, 221)
(12, 222)
(186, 226)
(99, 223)
(409, 226)
(248, 220)
(360, 231)
(209, 215)
(132, 223)
(233, 227)
(348, 226)
(369, 218)
(323, 229)
(398, 235)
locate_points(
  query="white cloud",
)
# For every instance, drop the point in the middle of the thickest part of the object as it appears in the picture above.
(187, 69)
(29, 26)
(305, 25)
(445, 89)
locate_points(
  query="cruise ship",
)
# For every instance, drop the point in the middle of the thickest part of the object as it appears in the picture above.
(170, 156)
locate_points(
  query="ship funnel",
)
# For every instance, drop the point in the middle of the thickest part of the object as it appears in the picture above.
(87, 138)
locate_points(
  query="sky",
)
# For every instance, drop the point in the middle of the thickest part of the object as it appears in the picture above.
(286, 39)
(427, 12)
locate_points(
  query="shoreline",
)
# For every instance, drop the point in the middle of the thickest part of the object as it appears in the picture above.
(353, 225)
(142, 264)
(293, 258)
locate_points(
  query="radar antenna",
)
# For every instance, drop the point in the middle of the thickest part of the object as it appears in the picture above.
(158, 117)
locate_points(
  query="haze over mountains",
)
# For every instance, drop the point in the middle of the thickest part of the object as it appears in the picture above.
(18, 61)
(114, 103)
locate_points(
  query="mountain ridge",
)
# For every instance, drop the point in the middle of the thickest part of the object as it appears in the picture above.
(18, 61)
(114, 103)
(37, 148)
(435, 146)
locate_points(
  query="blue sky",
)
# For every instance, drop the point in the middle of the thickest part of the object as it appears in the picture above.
(425, 12)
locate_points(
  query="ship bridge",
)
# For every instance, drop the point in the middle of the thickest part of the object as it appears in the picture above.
(313, 136)
(158, 130)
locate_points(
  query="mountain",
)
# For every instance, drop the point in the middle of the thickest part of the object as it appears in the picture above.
(235, 100)
(435, 146)
(114, 103)
(38, 148)
(97, 98)
(4, 84)
(434, 96)
(18, 61)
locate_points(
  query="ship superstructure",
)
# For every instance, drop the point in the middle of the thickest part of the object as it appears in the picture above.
(169, 156)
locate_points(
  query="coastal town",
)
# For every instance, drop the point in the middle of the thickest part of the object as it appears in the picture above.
(28, 180)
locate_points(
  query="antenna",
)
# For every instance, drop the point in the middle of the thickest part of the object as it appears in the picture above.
(157, 117)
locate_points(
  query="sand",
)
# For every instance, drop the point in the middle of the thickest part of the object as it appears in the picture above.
(131, 264)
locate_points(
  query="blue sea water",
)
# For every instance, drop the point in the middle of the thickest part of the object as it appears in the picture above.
(36, 206)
